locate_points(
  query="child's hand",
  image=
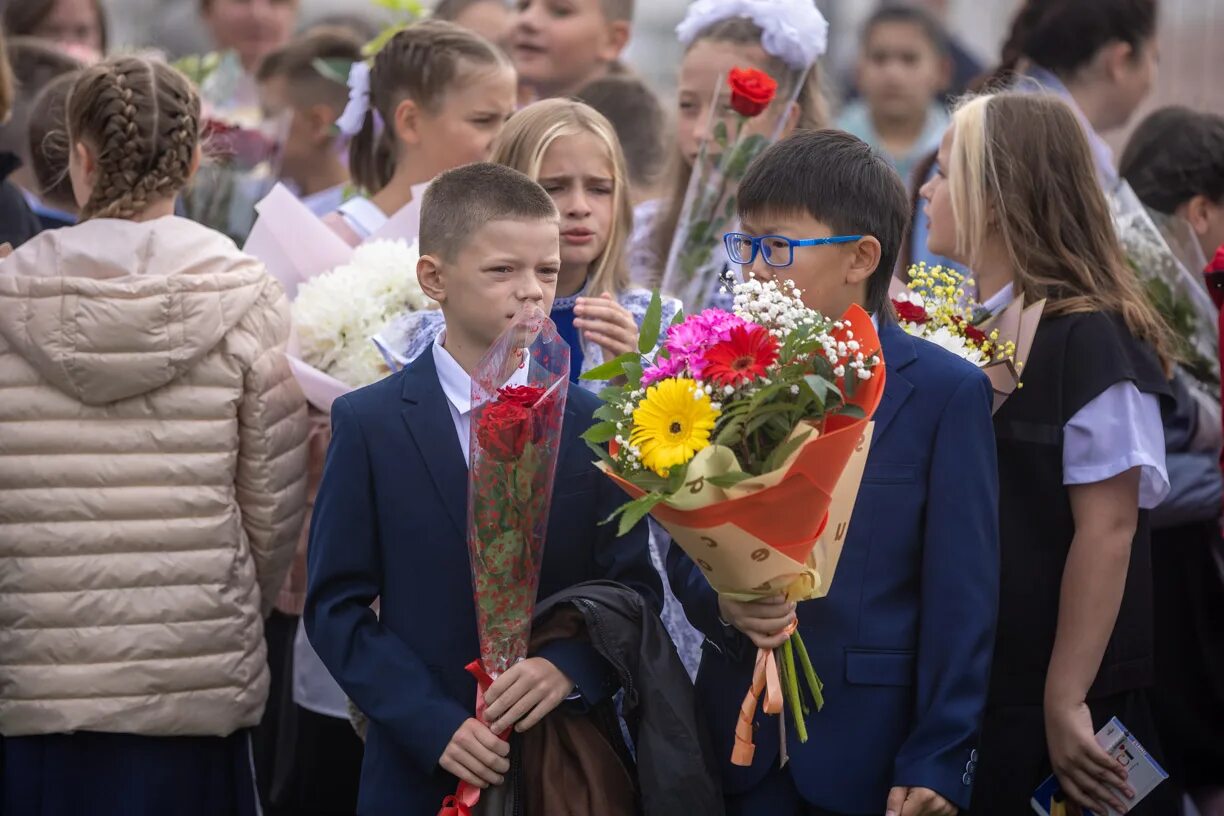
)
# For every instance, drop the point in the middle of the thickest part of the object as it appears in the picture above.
(6, 249)
(764, 622)
(609, 324)
(1086, 772)
(918, 802)
(476, 755)
(526, 693)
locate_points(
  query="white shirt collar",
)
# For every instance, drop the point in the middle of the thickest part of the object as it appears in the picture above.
(363, 216)
(456, 383)
(999, 300)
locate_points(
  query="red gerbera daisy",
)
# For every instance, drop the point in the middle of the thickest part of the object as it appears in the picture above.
(741, 358)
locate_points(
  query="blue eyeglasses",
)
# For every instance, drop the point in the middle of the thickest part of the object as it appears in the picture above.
(778, 250)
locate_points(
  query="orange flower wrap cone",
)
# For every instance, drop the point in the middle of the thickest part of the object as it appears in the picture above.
(782, 532)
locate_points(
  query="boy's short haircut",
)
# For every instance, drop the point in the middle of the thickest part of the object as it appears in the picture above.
(931, 28)
(461, 201)
(637, 116)
(618, 10)
(48, 142)
(840, 181)
(315, 66)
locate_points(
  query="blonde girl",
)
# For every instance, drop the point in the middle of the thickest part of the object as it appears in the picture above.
(434, 98)
(717, 40)
(1016, 198)
(153, 482)
(573, 152)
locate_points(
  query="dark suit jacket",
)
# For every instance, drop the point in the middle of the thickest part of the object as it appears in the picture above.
(390, 523)
(903, 640)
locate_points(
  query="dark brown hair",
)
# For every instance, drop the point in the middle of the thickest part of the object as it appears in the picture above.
(1063, 36)
(142, 117)
(637, 116)
(837, 179)
(23, 17)
(34, 63)
(461, 201)
(813, 114)
(6, 82)
(420, 63)
(298, 62)
(916, 16)
(1174, 155)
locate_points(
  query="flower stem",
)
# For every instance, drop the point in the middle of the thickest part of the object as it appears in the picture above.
(790, 686)
(809, 673)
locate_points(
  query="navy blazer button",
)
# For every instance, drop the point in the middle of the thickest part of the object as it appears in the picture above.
(973, 755)
(967, 778)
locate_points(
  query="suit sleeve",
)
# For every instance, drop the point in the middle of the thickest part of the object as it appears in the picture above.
(379, 672)
(960, 598)
(626, 560)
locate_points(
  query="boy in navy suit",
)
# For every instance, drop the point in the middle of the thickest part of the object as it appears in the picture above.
(903, 640)
(390, 518)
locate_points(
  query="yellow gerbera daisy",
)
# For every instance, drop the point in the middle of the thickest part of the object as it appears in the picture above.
(671, 424)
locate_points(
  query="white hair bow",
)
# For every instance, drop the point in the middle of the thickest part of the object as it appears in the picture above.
(794, 31)
(358, 106)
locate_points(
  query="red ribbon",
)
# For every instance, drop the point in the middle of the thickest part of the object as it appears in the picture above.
(466, 796)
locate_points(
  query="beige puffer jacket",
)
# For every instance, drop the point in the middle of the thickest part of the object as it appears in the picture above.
(152, 479)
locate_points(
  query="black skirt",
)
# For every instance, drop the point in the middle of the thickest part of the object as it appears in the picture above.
(127, 775)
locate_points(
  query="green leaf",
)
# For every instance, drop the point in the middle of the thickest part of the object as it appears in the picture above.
(602, 454)
(764, 415)
(679, 317)
(610, 413)
(648, 338)
(820, 387)
(727, 480)
(636, 510)
(851, 410)
(610, 393)
(782, 452)
(675, 479)
(603, 432)
(611, 369)
(633, 373)
(720, 134)
(732, 432)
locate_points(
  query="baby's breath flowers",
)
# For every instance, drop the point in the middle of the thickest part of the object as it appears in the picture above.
(936, 307)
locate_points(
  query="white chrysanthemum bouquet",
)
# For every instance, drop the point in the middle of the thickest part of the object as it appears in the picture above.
(337, 313)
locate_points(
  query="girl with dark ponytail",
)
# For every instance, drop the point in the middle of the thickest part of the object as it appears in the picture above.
(434, 98)
(1099, 55)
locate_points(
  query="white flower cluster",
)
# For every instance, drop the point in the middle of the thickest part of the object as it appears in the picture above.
(778, 308)
(916, 298)
(337, 313)
(947, 339)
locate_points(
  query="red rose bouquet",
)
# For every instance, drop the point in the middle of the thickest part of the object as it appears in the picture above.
(746, 116)
(519, 392)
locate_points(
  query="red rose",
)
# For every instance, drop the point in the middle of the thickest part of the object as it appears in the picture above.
(909, 312)
(524, 395)
(1214, 275)
(502, 429)
(751, 91)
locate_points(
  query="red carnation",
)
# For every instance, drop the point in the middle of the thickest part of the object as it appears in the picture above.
(971, 332)
(503, 429)
(751, 91)
(909, 312)
(743, 357)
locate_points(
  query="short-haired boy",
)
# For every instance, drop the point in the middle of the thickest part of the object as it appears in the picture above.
(557, 54)
(307, 79)
(903, 68)
(390, 517)
(638, 118)
(903, 640)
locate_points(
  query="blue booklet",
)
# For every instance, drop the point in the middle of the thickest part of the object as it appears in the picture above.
(1144, 774)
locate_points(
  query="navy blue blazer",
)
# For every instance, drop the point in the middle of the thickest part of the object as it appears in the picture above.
(904, 639)
(390, 523)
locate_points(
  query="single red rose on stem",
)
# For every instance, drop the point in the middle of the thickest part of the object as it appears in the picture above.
(503, 429)
(909, 312)
(751, 91)
(743, 357)
(1214, 276)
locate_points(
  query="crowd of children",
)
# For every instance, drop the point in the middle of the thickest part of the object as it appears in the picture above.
(203, 580)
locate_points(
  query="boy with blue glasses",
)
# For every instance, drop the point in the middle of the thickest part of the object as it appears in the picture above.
(904, 639)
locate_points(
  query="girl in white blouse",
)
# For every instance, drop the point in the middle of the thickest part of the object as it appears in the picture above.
(1081, 451)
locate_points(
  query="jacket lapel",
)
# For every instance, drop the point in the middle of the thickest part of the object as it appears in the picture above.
(428, 417)
(898, 349)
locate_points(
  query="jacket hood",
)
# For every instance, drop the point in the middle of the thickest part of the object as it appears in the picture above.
(112, 309)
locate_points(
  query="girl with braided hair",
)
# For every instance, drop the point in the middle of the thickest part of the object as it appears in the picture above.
(153, 478)
(434, 98)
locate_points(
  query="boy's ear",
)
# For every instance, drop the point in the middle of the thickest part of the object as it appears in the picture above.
(406, 124)
(864, 260)
(616, 40)
(1116, 58)
(429, 276)
(1196, 213)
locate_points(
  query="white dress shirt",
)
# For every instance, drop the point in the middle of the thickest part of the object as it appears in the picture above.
(1118, 430)
(457, 386)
